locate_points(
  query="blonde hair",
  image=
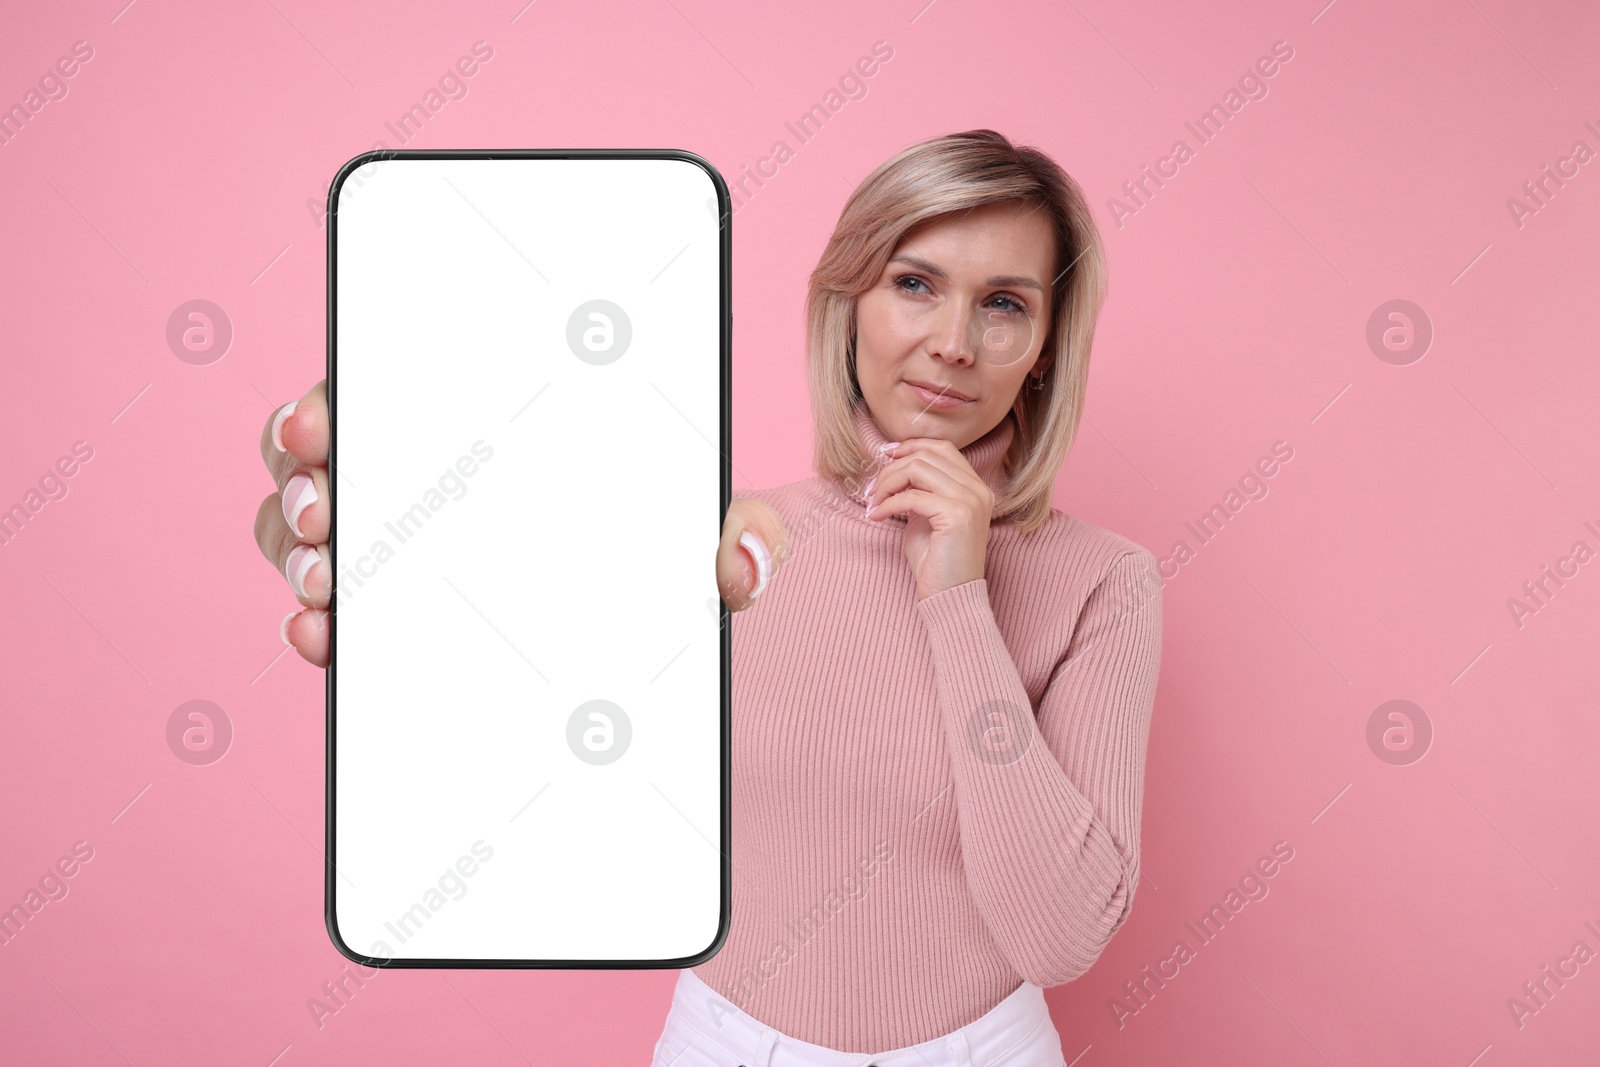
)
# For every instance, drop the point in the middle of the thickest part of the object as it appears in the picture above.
(940, 177)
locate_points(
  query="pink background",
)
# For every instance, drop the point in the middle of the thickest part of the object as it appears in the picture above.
(1418, 500)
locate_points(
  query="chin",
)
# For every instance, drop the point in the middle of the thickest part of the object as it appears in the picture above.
(936, 424)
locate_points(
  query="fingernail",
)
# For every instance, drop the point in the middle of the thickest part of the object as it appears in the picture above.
(867, 492)
(888, 446)
(283, 627)
(278, 421)
(298, 495)
(763, 560)
(301, 559)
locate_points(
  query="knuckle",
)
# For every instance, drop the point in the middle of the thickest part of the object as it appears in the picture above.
(282, 465)
(270, 505)
(283, 541)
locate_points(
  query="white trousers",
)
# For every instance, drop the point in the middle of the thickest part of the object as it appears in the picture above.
(705, 1030)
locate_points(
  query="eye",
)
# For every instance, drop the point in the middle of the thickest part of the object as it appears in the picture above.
(1013, 305)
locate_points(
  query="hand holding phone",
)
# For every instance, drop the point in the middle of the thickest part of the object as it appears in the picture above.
(294, 447)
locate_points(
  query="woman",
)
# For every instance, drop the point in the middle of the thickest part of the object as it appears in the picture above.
(942, 686)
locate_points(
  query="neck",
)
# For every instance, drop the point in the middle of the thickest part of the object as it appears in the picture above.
(986, 454)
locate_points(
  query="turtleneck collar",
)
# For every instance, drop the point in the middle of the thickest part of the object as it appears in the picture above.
(986, 454)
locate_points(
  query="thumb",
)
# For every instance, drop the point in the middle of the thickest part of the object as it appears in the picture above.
(754, 545)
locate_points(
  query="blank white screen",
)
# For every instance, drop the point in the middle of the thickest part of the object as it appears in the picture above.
(521, 530)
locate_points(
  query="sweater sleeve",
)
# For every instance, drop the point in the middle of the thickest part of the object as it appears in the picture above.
(1049, 801)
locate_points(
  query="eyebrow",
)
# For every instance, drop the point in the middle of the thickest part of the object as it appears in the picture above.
(1012, 280)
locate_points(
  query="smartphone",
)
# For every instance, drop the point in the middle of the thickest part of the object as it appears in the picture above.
(528, 702)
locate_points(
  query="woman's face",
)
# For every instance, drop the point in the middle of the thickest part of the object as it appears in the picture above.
(962, 310)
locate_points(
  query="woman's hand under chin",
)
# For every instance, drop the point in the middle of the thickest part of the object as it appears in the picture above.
(947, 508)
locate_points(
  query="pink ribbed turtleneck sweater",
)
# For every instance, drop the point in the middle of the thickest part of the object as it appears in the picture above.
(932, 800)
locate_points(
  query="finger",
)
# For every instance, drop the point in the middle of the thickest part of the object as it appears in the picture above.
(936, 450)
(738, 573)
(307, 568)
(307, 633)
(910, 501)
(916, 472)
(746, 558)
(297, 433)
(305, 504)
(754, 545)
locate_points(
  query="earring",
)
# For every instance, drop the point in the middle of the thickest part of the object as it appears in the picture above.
(1038, 381)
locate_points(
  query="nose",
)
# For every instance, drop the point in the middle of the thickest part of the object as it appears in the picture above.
(951, 339)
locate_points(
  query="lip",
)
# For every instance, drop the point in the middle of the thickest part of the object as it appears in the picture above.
(937, 396)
